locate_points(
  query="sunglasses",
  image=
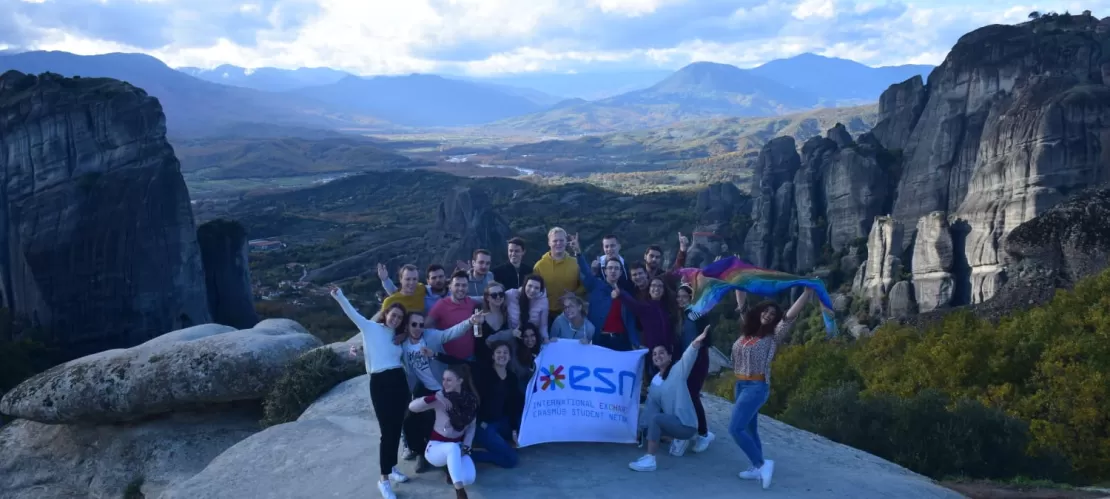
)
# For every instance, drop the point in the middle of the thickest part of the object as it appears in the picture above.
(499, 294)
(416, 324)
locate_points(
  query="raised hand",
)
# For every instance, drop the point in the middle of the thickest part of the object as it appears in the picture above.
(461, 265)
(383, 272)
(683, 242)
(701, 337)
(478, 318)
(517, 333)
(334, 291)
(616, 293)
(572, 244)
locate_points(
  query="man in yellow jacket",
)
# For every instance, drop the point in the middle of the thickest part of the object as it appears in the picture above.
(559, 271)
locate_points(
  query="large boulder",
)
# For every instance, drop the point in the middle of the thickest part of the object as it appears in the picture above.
(330, 452)
(180, 370)
(45, 461)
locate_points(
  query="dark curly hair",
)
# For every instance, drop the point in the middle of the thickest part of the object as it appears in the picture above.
(753, 322)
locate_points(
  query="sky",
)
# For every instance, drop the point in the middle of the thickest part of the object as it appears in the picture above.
(491, 37)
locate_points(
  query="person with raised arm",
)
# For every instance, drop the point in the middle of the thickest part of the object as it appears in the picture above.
(572, 323)
(435, 288)
(456, 411)
(614, 322)
(389, 392)
(501, 409)
(412, 294)
(560, 274)
(669, 410)
(424, 372)
(653, 313)
(688, 325)
(764, 328)
(529, 305)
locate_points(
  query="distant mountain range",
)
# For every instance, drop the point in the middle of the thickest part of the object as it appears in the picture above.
(204, 101)
(710, 90)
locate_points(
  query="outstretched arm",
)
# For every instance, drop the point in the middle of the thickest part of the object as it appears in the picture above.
(422, 404)
(638, 307)
(362, 322)
(741, 297)
(799, 304)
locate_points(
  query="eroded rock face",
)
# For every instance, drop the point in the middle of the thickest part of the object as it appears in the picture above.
(180, 370)
(933, 260)
(773, 203)
(883, 266)
(1014, 120)
(468, 213)
(58, 461)
(227, 273)
(1072, 238)
(97, 240)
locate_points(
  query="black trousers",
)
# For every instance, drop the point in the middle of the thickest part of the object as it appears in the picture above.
(418, 425)
(389, 394)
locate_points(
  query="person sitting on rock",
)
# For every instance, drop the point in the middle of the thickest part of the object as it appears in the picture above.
(389, 392)
(572, 323)
(424, 372)
(669, 409)
(688, 325)
(763, 329)
(456, 411)
(529, 304)
(500, 412)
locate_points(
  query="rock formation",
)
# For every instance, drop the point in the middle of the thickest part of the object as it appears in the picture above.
(466, 216)
(1015, 120)
(334, 442)
(807, 207)
(97, 240)
(227, 273)
(719, 227)
(883, 267)
(152, 415)
(181, 370)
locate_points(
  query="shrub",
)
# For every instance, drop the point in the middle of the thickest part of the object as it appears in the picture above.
(923, 432)
(304, 381)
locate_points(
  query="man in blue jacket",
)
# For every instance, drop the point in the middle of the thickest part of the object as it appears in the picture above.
(615, 324)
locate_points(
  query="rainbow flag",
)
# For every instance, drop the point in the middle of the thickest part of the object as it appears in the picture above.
(721, 277)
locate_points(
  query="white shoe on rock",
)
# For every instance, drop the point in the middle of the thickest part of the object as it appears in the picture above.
(645, 463)
(701, 443)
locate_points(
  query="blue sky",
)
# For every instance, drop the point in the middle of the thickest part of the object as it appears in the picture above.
(483, 37)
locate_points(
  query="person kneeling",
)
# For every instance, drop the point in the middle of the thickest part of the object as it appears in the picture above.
(669, 409)
(456, 409)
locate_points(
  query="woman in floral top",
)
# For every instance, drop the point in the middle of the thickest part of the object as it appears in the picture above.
(763, 329)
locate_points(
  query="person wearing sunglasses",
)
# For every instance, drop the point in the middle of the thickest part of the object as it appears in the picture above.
(424, 370)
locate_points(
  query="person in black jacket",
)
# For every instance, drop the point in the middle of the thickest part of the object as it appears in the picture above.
(689, 327)
(499, 414)
(512, 273)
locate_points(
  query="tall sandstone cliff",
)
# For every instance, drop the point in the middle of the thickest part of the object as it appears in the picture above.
(1014, 120)
(98, 245)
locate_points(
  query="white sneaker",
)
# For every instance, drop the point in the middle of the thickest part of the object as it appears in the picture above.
(645, 463)
(750, 474)
(397, 476)
(702, 442)
(678, 447)
(765, 473)
(386, 490)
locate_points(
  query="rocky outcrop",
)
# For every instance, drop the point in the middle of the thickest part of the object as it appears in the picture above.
(56, 461)
(933, 260)
(808, 206)
(1014, 119)
(467, 214)
(721, 211)
(334, 442)
(227, 273)
(98, 245)
(181, 370)
(883, 267)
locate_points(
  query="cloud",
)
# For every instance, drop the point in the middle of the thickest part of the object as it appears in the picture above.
(499, 36)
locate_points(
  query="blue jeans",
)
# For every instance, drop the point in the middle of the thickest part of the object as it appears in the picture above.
(495, 447)
(750, 397)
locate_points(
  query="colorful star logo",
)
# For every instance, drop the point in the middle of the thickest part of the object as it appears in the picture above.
(552, 376)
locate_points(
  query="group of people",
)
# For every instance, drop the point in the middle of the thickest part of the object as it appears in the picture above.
(449, 359)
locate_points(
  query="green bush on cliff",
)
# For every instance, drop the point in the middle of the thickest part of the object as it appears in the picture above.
(1047, 368)
(304, 381)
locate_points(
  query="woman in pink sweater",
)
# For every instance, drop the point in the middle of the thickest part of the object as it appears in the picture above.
(529, 305)
(456, 409)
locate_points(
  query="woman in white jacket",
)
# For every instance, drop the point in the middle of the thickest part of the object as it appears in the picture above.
(669, 409)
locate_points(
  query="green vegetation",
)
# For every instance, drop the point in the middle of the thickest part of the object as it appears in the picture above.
(304, 381)
(1027, 397)
(134, 489)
